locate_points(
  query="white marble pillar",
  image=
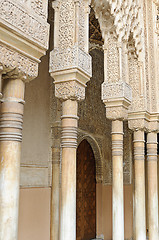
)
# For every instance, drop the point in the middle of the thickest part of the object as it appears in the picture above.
(68, 178)
(55, 194)
(139, 171)
(152, 185)
(118, 201)
(11, 120)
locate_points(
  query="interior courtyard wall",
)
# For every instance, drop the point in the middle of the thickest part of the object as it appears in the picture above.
(35, 176)
(34, 214)
(36, 131)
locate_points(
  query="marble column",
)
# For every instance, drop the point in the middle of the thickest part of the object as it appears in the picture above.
(118, 201)
(55, 190)
(68, 178)
(139, 171)
(55, 194)
(152, 185)
(11, 120)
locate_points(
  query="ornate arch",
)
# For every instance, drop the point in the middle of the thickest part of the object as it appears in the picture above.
(97, 154)
(122, 17)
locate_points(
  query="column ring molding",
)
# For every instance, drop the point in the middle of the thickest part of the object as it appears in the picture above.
(70, 116)
(17, 100)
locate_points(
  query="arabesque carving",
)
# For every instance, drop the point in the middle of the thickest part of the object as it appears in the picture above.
(116, 91)
(70, 58)
(70, 63)
(12, 59)
(70, 90)
(24, 35)
(17, 17)
(123, 16)
(117, 98)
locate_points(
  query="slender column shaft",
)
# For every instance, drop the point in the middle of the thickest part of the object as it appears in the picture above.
(55, 194)
(139, 165)
(152, 185)
(68, 178)
(11, 120)
(118, 201)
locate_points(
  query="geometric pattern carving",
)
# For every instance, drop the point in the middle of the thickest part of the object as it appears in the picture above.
(24, 35)
(70, 58)
(117, 98)
(20, 19)
(116, 90)
(70, 90)
(123, 15)
(12, 59)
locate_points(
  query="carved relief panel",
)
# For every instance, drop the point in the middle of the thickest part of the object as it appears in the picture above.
(24, 35)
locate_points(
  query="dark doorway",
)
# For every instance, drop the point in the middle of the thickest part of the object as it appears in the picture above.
(86, 193)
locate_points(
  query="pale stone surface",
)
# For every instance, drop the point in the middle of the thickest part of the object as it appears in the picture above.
(152, 185)
(68, 175)
(10, 154)
(139, 171)
(33, 176)
(36, 129)
(34, 214)
(117, 191)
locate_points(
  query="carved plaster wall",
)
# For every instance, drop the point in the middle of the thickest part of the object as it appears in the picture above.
(24, 35)
(139, 98)
(123, 16)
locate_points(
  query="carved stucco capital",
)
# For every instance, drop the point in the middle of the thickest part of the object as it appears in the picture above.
(13, 61)
(70, 90)
(138, 121)
(117, 98)
(154, 123)
(143, 121)
(14, 74)
(71, 69)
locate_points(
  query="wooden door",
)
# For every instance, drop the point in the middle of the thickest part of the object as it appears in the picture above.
(86, 193)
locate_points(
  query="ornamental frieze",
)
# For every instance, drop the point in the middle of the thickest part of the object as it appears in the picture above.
(70, 58)
(24, 35)
(19, 19)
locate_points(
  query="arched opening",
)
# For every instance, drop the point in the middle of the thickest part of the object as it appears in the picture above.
(86, 193)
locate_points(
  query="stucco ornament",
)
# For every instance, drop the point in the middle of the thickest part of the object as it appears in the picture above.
(24, 25)
(117, 98)
(123, 16)
(115, 24)
(70, 90)
(69, 58)
(70, 63)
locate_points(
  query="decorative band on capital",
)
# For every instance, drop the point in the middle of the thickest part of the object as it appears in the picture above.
(11, 127)
(69, 137)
